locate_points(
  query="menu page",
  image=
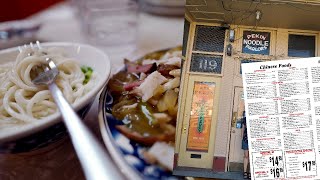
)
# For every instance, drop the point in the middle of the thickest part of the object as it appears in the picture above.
(282, 102)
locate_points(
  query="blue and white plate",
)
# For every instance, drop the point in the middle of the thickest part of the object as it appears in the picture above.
(127, 154)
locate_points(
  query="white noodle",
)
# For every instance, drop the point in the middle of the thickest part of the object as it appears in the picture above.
(23, 102)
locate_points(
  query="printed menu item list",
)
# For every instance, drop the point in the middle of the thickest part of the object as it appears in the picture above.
(282, 102)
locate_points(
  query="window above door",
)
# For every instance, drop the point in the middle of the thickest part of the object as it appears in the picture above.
(209, 39)
(206, 63)
(301, 45)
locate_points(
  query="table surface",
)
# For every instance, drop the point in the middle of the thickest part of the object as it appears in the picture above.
(58, 160)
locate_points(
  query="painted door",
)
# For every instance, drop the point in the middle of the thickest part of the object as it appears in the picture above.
(199, 126)
(236, 153)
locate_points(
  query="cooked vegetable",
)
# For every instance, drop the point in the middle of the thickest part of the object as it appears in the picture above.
(147, 111)
(168, 102)
(87, 71)
(171, 84)
(117, 82)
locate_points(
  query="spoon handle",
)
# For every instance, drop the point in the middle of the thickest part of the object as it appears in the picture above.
(95, 162)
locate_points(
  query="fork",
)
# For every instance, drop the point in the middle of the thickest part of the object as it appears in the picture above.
(95, 162)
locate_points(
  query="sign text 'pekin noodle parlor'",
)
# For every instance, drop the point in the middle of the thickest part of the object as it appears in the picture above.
(256, 42)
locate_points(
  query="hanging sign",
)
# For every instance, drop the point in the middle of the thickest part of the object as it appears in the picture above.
(256, 42)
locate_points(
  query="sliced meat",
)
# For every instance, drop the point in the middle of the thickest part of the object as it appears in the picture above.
(135, 68)
(173, 61)
(165, 69)
(130, 86)
(150, 85)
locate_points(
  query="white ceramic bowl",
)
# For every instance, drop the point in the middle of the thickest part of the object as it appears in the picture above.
(86, 55)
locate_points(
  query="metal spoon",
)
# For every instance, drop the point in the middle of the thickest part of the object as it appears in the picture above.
(95, 162)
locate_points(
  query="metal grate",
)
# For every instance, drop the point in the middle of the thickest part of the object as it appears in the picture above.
(197, 156)
(209, 39)
(206, 63)
(185, 37)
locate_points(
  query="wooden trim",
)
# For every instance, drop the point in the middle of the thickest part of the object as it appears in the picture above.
(190, 50)
(275, 29)
(205, 74)
(299, 31)
(209, 53)
(184, 87)
(279, 45)
(175, 160)
(186, 16)
(207, 24)
(199, 11)
(209, 19)
(224, 51)
(318, 44)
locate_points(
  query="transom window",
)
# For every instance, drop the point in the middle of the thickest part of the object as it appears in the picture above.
(209, 39)
(301, 46)
(206, 63)
(208, 50)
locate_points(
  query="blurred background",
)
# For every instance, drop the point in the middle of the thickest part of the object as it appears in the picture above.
(121, 28)
(19, 9)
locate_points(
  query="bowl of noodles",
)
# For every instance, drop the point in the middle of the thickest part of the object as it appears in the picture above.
(29, 118)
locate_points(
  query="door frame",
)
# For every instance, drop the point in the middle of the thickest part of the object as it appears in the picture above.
(230, 132)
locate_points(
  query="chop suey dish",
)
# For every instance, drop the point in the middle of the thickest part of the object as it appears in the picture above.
(23, 102)
(146, 99)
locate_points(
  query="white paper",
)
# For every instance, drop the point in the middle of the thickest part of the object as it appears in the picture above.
(282, 102)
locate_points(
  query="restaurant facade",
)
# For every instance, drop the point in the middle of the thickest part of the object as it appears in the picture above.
(218, 37)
